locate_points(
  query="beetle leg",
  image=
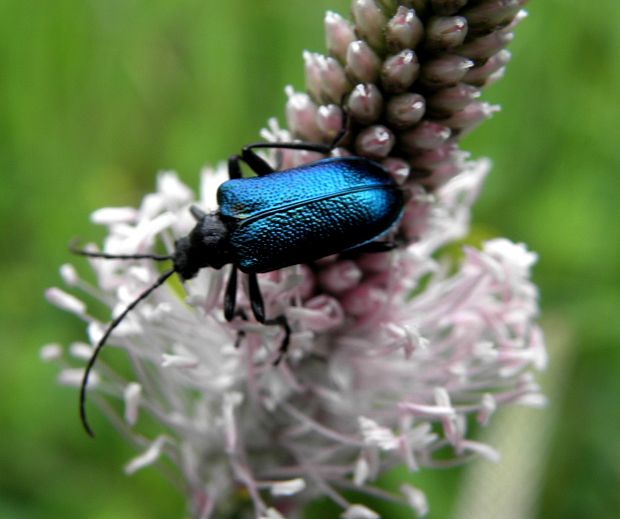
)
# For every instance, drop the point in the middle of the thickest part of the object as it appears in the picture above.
(260, 166)
(240, 333)
(372, 247)
(257, 164)
(234, 169)
(256, 298)
(230, 297)
(377, 246)
(258, 308)
(283, 322)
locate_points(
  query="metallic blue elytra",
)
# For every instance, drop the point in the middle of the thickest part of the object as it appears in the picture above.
(305, 213)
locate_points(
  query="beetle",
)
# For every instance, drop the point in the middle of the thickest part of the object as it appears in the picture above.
(274, 220)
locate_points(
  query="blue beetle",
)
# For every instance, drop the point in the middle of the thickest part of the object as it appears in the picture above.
(274, 220)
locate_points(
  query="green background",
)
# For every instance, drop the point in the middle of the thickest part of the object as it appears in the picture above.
(98, 95)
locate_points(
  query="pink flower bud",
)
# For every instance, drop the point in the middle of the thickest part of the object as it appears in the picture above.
(444, 33)
(405, 110)
(452, 99)
(339, 277)
(445, 71)
(430, 158)
(489, 15)
(364, 300)
(301, 116)
(338, 34)
(374, 141)
(363, 64)
(365, 103)
(397, 168)
(312, 72)
(404, 30)
(447, 7)
(485, 46)
(400, 71)
(470, 116)
(329, 120)
(369, 21)
(334, 82)
(426, 135)
(478, 75)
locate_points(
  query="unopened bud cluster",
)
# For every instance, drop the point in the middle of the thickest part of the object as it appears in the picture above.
(409, 75)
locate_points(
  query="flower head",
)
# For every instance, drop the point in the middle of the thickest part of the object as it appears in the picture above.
(390, 353)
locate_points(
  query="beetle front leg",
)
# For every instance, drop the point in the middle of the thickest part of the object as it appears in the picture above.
(261, 167)
(230, 297)
(234, 168)
(230, 305)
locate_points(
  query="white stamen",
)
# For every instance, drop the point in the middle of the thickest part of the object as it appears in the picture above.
(148, 457)
(132, 396)
(376, 435)
(480, 448)
(169, 185)
(73, 377)
(50, 352)
(114, 215)
(179, 361)
(361, 471)
(359, 512)
(80, 350)
(416, 499)
(487, 408)
(65, 301)
(272, 513)
(69, 274)
(288, 488)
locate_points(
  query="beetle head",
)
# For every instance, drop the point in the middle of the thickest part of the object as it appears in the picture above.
(205, 246)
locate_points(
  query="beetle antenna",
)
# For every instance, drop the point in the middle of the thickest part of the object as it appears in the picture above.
(105, 255)
(91, 362)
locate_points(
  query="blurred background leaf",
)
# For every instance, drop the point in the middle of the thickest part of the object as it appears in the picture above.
(96, 96)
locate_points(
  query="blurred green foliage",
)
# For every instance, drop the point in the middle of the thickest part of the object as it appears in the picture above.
(98, 95)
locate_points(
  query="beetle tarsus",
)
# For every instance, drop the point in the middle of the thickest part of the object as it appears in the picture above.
(283, 322)
(240, 312)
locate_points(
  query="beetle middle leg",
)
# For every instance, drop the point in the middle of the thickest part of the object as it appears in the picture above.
(258, 309)
(230, 304)
(240, 333)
